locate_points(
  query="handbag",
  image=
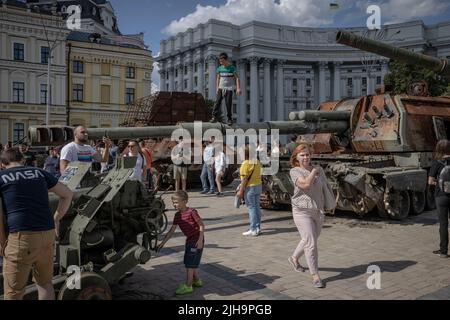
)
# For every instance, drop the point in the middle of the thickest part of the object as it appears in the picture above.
(329, 198)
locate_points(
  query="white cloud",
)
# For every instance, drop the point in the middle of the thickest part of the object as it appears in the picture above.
(289, 12)
(311, 13)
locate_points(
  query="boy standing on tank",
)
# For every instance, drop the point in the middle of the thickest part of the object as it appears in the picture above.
(193, 228)
(227, 80)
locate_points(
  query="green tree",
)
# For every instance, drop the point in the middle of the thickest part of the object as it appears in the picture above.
(401, 75)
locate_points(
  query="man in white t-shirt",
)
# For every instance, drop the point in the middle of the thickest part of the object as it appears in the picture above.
(79, 150)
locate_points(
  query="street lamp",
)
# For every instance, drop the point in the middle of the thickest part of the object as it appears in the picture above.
(368, 60)
(51, 48)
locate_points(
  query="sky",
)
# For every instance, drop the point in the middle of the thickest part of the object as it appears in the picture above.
(161, 19)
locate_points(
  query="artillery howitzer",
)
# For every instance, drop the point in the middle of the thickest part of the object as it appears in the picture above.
(109, 229)
(382, 160)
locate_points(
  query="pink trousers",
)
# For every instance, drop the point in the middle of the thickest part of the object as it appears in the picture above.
(309, 226)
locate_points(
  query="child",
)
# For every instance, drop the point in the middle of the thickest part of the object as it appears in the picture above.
(193, 228)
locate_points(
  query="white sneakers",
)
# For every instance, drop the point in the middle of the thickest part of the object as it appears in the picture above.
(252, 233)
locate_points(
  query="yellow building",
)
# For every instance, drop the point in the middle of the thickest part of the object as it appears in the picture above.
(106, 74)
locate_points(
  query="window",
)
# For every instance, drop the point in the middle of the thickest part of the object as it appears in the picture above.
(295, 105)
(167, 76)
(195, 81)
(185, 84)
(106, 69)
(45, 53)
(77, 92)
(43, 94)
(378, 80)
(364, 81)
(349, 71)
(176, 72)
(294, 71)
(195, 67)
(308, 93)
(308, 104)
(130, 73)
(308, 71)
(176, 86)
(206, 65)
(18, 131)
(294, 93)
(206, 92)
(294, 82)
(78, 66)
(106, 94)
(185, 70)
(167, 87)
(308, 82)
(129, 96)
(349, 82)
(19, 51)
(18, 92)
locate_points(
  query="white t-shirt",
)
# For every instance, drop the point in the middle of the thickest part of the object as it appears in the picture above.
(220, 162)
(76, 152)
(137, 171)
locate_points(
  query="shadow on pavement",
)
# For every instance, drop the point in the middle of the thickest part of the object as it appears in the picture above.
(355, 271)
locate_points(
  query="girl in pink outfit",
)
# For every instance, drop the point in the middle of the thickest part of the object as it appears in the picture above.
(311, 190)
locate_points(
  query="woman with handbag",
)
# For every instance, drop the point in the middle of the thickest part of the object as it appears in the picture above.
(251, 189)
(312, 196)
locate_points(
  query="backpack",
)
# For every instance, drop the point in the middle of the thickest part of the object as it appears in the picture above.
(444, 178)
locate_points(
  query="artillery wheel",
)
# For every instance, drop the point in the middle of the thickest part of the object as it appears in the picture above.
(431, 202)
(93, 287)
(155, 222)
(397, 204)
(418, 202)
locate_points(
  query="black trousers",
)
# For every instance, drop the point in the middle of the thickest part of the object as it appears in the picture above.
(217, 112)
(443, 207)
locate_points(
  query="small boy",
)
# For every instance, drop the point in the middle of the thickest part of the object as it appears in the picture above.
(193, 228)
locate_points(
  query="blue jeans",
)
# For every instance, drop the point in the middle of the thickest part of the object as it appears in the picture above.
(253, 203)
(207, 176)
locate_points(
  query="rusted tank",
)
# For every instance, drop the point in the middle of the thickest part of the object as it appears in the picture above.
(381, 162)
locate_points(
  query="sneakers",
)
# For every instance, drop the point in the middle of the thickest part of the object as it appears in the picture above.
(318, 284)
(297, 266)
(197, 283)
(252, 233)
(211, 192)
(442, 255)
(219, 194)
(184, 289)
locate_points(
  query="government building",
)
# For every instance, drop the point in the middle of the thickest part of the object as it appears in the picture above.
(284, 68)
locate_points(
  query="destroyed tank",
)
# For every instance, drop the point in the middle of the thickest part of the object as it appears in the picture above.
(381, 161)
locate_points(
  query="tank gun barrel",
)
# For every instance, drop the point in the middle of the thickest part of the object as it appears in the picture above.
(59, 135)
(312, 115)
(399, 54)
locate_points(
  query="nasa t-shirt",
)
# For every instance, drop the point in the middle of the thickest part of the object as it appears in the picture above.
(24, 192)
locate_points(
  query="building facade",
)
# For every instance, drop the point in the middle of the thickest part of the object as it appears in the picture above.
(24, 53)
(105, 77)
(284, 68)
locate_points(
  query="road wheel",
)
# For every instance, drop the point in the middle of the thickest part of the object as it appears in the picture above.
(92, 287)
(431, 203)
(418, 202)
(397, 204)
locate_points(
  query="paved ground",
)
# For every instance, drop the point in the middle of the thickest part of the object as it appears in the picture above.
(237, 267)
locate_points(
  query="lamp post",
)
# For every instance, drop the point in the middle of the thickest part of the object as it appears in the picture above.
(51, 48)
(368, 60)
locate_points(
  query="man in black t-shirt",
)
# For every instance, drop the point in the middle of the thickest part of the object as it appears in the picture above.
(27, 239)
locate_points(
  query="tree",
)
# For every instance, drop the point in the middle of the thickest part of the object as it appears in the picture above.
(401, 75)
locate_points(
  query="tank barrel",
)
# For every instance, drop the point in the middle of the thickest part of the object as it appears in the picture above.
(399, 54)
(312, 115)
(59, 135)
